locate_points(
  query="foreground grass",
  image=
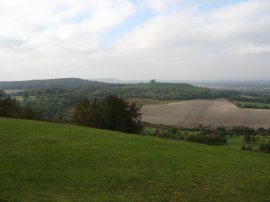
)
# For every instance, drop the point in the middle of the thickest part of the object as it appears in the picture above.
(51, 162)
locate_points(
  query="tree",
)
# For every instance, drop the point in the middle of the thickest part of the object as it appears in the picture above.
(3, 95)
(26, 97)
(87, 113)
(9, 108)
(111, 113)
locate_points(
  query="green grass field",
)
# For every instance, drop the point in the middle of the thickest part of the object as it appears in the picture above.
(20, 98)
(52, 162)
(256, 104)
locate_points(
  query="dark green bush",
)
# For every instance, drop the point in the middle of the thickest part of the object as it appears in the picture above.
(247, 147)
(212, 139)
(265, 147)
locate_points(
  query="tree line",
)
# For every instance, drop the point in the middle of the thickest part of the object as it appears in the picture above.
(11, 108)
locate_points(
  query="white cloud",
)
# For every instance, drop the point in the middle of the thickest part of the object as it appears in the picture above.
(57, 38)
(251, 49)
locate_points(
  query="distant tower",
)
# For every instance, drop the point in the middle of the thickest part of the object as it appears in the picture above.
(153, 81)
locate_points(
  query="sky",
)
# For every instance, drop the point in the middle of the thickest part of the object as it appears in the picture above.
(135, 39)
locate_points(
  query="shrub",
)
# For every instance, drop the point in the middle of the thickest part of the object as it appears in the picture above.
(212, 139)
(249, 138)
(265, 147)
(247, 147)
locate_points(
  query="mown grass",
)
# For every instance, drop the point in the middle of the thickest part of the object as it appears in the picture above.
(51, 162)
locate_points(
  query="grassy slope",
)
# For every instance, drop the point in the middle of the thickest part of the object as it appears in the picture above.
(51, 162)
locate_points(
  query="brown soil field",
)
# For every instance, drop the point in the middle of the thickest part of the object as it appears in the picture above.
(205, 112)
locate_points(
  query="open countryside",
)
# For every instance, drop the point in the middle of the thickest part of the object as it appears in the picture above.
(216, 112)
(135, 101)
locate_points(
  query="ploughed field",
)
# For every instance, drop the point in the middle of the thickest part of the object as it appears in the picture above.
(205, 112)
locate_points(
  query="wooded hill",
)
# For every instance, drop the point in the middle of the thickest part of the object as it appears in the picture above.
(49, 83)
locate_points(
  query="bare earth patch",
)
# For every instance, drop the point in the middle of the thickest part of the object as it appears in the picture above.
(205, 112)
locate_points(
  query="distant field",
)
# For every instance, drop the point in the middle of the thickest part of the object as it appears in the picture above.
(20, 98)
(11, 91)
(144, 101)
(260, 105)
(56, 162)
(205, 112)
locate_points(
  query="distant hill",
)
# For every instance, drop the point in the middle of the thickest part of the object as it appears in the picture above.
(152, 89)
(48, 83)
(164, 86)
(54, 162)
(76, 82)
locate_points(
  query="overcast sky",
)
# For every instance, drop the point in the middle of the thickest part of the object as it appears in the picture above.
(135, 39)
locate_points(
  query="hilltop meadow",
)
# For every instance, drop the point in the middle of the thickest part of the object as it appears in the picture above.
(56, 162)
